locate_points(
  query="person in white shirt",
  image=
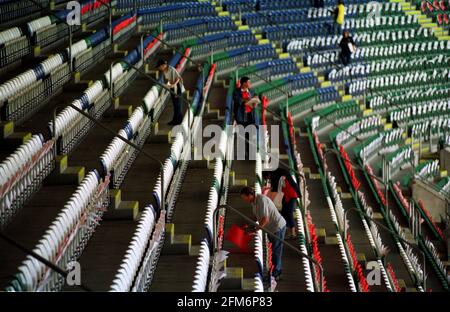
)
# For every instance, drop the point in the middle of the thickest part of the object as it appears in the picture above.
(270, 220)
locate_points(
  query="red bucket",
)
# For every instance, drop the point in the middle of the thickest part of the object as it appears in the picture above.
(238, 237)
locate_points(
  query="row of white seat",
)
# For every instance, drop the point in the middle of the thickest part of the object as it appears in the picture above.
(129, 267)
(22, 173)
(382, 21)
(136, 129)
(357, 9)
(370, 228)
(216, 273)
(66, 238)
(81, 200)
(13, 46)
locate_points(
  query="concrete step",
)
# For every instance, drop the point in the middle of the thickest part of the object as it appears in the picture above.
(212, 114)
(61, 163)
(176, 244)
(6, 129)
(122, 110)
(321, 235)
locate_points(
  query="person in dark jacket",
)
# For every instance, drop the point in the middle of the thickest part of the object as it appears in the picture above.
(291, 193)
(348, 47)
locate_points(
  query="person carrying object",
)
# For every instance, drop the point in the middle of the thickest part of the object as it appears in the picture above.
(348, 47)
(284, 191)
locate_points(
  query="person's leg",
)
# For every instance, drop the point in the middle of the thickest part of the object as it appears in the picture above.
(277, 252)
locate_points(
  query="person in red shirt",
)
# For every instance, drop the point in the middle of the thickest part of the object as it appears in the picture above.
(290, 199)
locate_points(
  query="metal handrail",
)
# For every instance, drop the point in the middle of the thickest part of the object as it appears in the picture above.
(283, 118)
